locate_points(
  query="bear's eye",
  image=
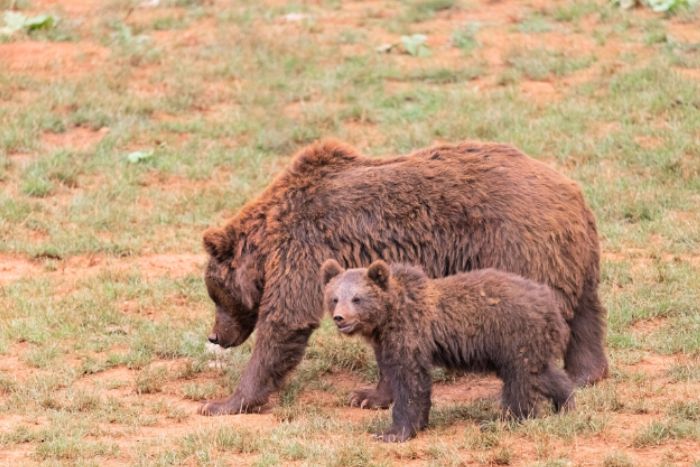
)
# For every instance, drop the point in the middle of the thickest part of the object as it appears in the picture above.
(355, 300)
(335, 300)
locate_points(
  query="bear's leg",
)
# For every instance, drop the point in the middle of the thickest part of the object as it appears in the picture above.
(277, 351)
(585, 360)
(379, 398)
(556, 385)
(518, 395)
(411, 385)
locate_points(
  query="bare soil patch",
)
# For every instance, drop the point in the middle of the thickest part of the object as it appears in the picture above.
(13, 268)
(73, 8)
(79, 139)
(52, 60)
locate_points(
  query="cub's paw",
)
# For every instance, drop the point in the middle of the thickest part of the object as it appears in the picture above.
(370, 399)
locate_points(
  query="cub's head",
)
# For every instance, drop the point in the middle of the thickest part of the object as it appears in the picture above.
(355, 298)
(234, 282)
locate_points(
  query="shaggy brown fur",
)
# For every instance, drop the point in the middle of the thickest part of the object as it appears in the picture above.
(448, 209)
(480, 320)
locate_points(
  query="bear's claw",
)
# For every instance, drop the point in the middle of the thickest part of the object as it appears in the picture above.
(217, 407)
(369, 399)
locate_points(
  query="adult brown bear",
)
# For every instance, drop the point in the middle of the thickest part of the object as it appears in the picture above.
(447, 208)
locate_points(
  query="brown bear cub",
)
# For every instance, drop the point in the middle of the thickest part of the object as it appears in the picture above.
(484, 320)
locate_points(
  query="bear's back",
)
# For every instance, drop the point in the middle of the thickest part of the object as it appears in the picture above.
(492, 287)
(489, 302)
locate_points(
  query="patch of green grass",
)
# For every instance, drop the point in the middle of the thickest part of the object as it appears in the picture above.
(36, 185)
(438, 75)
(421, 10)
(200, 392)
(646, 295)
(62, 167)
(464, 38)
(91, 366)
(204, 445)
(484, 437)
(151, 380)
(4, 166)
(334, 352)
(65, 447)
(685, 411)
(617, 459)
(557, 462)
(14, 4)
(565, 426)
(683, 55)
(541, 64)
(350, 454)
(655, 33)
(7, 385)
(481, 411)
(80, 401)
(658, 433)
(535, 23)
(132, 48)
(600, 398)
(185, 3)
(682, 334)
(41, 357)
(572, 11)
(685, 372)
(18, 435)
(166, 23)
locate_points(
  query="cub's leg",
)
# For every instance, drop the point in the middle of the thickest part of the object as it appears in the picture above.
(518, 397)
(411, 385)
(556, 385)
(374, 398)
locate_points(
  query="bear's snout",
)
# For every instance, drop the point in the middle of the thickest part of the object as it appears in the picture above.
(213, 338)
(344, 325)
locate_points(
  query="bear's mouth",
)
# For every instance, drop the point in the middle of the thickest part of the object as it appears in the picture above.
(346, 328)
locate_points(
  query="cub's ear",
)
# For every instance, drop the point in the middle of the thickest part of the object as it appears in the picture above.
(329, 270)
(378, 272)
(217, 242)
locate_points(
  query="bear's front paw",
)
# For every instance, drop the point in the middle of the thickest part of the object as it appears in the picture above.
(370, 399)
(231, 405)
(395, 435)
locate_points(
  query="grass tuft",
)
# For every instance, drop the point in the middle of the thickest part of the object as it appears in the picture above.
(543, 64)
(151, 380)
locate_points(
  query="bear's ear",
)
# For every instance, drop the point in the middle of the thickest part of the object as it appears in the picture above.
(378, 272)
(217, 242)
(329, 270)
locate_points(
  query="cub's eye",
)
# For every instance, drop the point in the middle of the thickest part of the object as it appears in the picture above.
(335, 300)
(355, 300)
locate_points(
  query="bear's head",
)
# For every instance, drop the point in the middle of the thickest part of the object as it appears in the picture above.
(356, 298)
(234, 282)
